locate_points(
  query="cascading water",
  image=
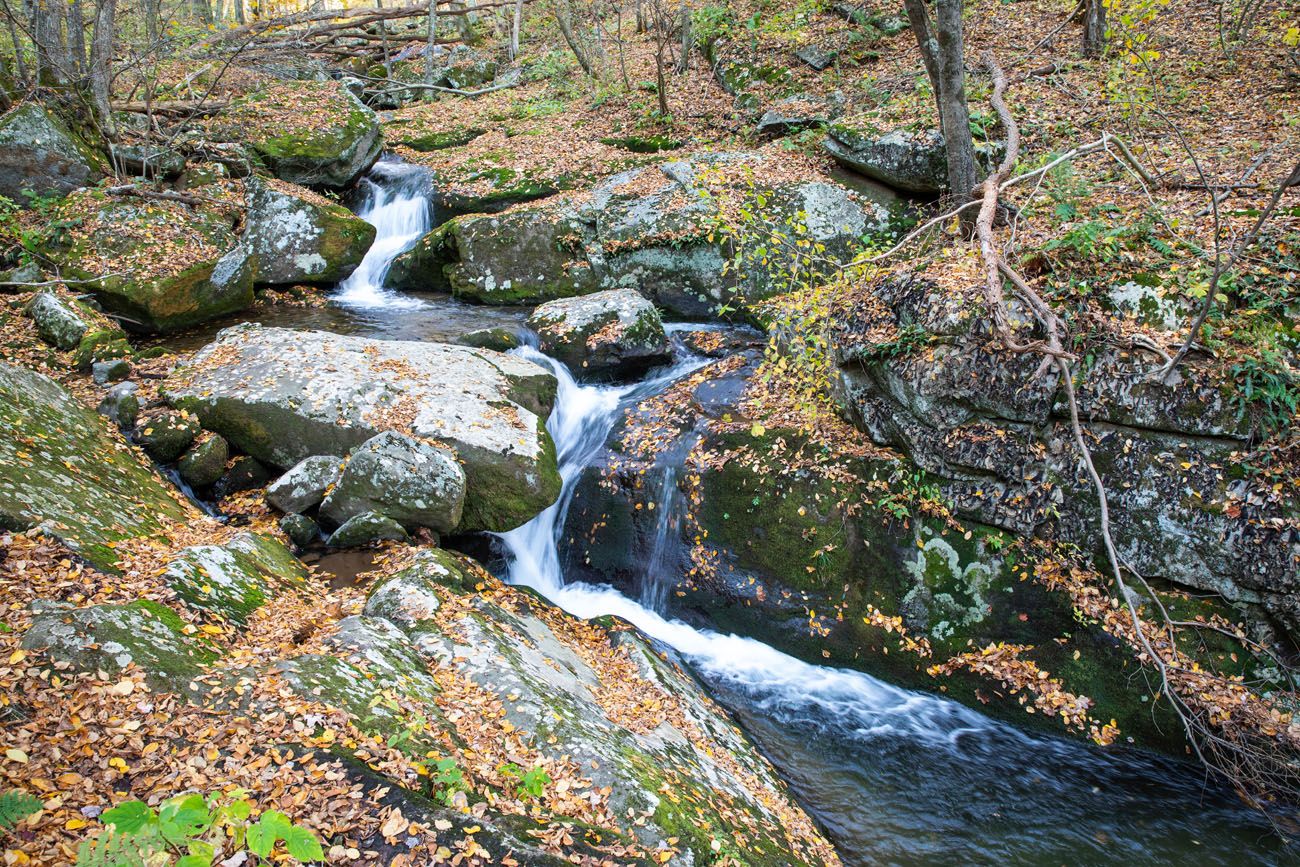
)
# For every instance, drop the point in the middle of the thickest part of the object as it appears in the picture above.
(396, 202)
(897, 777)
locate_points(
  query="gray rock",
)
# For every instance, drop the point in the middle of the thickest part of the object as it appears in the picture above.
(613, 332)
(283, 395)
(306, 484)
(121, 405)
(205, 462)
(909, 161)
(366, 528)
(58, 321)
(496, 339)
(110, 370)
(300, 529)
(300, 238)
(234, 579)
(797, 113)
(244, 474)
(166, 436)
(817, 57)
(415, 484)
(1147, 305)
(39, 155)
(147, 161)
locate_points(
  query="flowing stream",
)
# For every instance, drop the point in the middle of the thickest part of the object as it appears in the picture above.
(895, 776)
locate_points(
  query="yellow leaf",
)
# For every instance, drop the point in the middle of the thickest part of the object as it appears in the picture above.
(17, 656)
(16, 755)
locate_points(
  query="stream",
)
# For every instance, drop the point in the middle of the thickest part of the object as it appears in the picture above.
(893, 776)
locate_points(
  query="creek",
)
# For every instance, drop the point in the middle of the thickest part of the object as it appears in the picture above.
(894, 776)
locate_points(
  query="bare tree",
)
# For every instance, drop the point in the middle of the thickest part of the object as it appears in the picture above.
(101, 57)
(943, 53)
(582, 52)
(515, 24)
(1094, 27)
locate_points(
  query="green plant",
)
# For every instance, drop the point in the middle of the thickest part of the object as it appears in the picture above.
(712, 23)
(192, 831)
(447, 780)
(1269, 389)
(532, 782)
(16, 805)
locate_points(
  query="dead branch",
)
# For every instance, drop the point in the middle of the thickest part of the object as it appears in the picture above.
(161, 195)
(192, 108)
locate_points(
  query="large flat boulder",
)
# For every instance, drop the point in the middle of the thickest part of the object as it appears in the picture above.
(301, 237)
(62, 469)
(40, 156)
(283, 396)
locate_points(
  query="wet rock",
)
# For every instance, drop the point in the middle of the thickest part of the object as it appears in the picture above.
(415, 484)
(300, 529)
(300, 237)
(205, 462)
(82, 485)
(166, 436)
(40, 155)
(306, 484)
(244, 474)
(59, 321)
(108, 638)
(121, 405)
(914, 162)
(147, 161)
(234, 579)
(283, 395)
(614, 332)
(364, 529)
(111, 370)
(496, 339)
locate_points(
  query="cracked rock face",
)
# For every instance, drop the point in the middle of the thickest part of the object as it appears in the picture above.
(282, 395)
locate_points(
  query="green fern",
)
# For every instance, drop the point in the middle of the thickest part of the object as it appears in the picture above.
(16, 805)
(110, 850)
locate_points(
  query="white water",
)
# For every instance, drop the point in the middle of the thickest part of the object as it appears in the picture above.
(397, 205)
(850, 701)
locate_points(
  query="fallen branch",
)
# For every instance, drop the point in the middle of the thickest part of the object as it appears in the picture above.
(162, 195)
(171, 106)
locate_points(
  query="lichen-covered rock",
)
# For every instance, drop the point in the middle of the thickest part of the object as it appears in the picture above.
(364, 529)
(414, 483)
(305, 484)
(301, 530)
(234, 579)
(62, 470)
(614, 332)
(283, 395)
(40, 155)
(59, 321)
(121, 405)
(159, 265)
(167, 435)
(314, 133)
(204, 462)
(108, 638)
(914, 162)
(300, 237)
(147, 161)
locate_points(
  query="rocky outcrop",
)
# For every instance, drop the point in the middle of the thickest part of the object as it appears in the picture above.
(40, 156)
(61, 470)
(158, 265)
(913, 162)
(301, 237)
(975, 416)
(282, 396)
(234, 579)
(616, 332)
(646, 229)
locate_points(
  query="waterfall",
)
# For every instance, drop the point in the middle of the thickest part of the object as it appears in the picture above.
(396, 202)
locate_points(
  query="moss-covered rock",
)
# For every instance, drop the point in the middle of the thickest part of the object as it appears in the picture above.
(305, 484)
(40, 155)
(108, 638)
(365, 529)
(301, 237)
(616, 332)
(301, 530)
(234, 579)
(61, 469)
(59, 321)
(167, 435)
(436, 141)
(204, 462)
(412, 482)
(907, 160)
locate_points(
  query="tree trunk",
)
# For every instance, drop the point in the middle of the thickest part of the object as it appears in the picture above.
(383, 43)
(76, 38)
(101, 61)
(564, 17)
(431, 40)
(515, 24)
(46, 18)
(20, 62)
(1094, 28)
(688, 40)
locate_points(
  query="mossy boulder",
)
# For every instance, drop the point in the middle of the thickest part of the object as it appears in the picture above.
(167, 435)
(412, 482)
(301, 530)
(204, 462)
(40, 155)
(71, 324)
(497, 339)
(907, 160)
(108, 638)
(425, 141)
(159, 265)
(616, 332)
(305, 484)
(234, 579)
(365, 529)
(61, 469)
(282, 395)
(301, 237)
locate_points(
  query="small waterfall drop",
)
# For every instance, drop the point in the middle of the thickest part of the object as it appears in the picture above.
(397, 204)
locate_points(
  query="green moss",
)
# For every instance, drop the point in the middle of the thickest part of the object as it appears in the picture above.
(234, 580)
(647, 144)
(436, 141)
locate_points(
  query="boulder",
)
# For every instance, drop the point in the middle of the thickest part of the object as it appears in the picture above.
(110, 370)
(62, 470)
(244, 473)
(40, 156)
(121, 405)
(306, 484)
(301, 237)
(204, 462)
(313, 133)
(283, 395)
(167, 435)
(913, 162)
(614, 332)
(234, 579)
(108, 638)
(364, 529)
(301, 530)
(412, 482)
(160, 265)
(798, 113)
(496, 339)
(59, 321)
(816, 56)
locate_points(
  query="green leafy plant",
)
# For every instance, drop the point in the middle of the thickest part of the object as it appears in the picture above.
(1269, 389)
(532, 782)
(192, 831)
(16, 805)
(447, 779)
